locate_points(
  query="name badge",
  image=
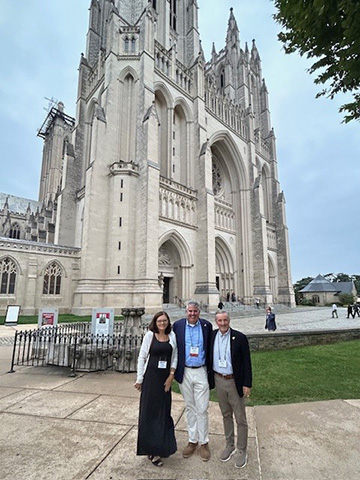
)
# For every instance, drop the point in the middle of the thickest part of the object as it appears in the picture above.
(194, 351)
(162, 364)
(222, 363)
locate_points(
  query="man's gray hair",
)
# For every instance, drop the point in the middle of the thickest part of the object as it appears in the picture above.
(218, 312)
(194, 303)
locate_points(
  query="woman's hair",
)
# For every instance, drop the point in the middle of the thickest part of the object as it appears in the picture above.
(268, 308)
(153, 327)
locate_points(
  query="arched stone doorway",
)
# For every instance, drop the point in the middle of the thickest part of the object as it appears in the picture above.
(231, 218)
(175, 266)
(225, 274)
(169, 272)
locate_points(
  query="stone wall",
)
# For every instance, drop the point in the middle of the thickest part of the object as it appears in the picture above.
(281, 341)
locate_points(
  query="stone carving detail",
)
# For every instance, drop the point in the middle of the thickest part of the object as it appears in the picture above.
(164, 257)
(177, 203)
(224, 216)
(271, 238)
(217, 179)
(232, 114)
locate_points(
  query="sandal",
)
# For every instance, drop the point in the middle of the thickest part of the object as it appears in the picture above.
(155, 460)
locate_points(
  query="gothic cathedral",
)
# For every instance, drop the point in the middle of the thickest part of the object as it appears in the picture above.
(164, 188)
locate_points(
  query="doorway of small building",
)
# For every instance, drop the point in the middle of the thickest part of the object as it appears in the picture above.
(166, 290)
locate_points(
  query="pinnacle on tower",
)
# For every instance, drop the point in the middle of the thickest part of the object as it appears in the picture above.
(232, 36)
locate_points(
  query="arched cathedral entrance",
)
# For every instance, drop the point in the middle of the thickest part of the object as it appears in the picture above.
(169, 272)
(225, 277)
(175, 265)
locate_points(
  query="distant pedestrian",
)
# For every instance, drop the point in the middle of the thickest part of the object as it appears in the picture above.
(257, 302)
(270, 323)
(350, 311)
(228, 297)
(233, 297)
(334, 311)
(220, 305)
(356, 310)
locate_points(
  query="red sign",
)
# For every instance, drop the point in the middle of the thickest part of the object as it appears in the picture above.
(47, 319)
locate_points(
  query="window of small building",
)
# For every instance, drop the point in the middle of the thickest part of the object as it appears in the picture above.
(7, 276)
(52, 279)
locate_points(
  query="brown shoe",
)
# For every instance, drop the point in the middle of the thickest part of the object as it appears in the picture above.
(204, 452)
(189, 449)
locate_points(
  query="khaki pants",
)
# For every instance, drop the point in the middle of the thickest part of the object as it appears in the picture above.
(232, 405)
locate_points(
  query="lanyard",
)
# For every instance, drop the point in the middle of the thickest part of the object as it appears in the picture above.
(191, 331)
(226, 337)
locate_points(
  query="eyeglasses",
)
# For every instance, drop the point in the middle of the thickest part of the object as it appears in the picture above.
(161, 321)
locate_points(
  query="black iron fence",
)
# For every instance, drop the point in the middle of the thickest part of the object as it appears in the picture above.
(74, 346)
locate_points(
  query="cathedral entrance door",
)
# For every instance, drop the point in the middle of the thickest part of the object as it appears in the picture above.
(166, 290)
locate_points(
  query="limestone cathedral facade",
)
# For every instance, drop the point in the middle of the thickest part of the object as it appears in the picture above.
(164, 187)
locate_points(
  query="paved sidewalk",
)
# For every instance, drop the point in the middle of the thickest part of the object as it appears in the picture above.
(61, 428)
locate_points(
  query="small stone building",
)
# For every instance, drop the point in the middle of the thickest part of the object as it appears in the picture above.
(321, 291)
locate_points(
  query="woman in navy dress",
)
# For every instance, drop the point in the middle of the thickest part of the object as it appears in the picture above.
(270, 323)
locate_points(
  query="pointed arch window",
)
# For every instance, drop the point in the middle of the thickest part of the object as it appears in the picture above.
(126, 41)
(222, 79)
(52, 279)
(173, 13)
(7, 276)
(15, 231)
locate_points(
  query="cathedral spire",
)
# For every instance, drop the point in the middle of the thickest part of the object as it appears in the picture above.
(213, 53)
(232, 36)
(255, 57)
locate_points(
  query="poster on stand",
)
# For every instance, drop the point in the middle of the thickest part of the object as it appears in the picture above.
(102, 322)
(12, 315)
(48, 317)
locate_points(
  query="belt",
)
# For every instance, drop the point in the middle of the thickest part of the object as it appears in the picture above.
(225, 377)
(187, 366)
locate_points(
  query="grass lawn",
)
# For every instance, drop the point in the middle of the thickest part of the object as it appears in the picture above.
(307, 374)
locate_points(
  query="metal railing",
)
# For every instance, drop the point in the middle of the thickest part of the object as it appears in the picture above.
(75, 347)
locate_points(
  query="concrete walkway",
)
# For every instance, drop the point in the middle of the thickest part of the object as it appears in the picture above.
(56, 427)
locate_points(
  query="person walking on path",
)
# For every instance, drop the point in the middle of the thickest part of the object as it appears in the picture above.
(350, 311)
(232, 376)
(334, 313)
(155, 373)
(193, 335)
(270, 323)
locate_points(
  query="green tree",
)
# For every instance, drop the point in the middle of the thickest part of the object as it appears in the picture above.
(328, 32)
(299, 285)
(356, 279)
(346, 299)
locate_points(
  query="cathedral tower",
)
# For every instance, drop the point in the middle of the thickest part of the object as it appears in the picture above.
(166, 182)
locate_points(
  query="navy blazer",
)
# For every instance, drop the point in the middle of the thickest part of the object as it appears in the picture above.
(240, 359)
(179, 330)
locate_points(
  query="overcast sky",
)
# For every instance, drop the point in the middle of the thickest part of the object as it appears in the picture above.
(318, 156)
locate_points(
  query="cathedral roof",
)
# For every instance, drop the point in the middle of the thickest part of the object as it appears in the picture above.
(18, 204)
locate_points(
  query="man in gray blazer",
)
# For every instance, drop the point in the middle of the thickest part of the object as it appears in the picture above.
(232, 376)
